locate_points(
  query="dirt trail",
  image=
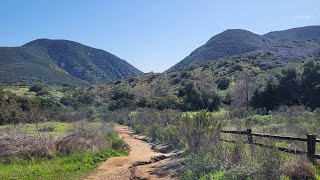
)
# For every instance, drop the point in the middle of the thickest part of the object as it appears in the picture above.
(142, 163)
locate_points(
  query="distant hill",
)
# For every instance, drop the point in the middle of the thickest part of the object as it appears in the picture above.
(61, 62)
(289, 45)
(307, 33)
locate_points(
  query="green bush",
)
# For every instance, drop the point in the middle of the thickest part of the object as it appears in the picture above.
(199, 130)
(121, 103)
(77, 97)
(223, 84)
(162, 103)
(194, 100)
(36, 87)
(196, 166)
(43, 92)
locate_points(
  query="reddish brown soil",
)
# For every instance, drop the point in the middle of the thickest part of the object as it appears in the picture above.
(139, 164)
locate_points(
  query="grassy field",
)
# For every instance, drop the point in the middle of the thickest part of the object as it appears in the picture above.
(60, 166)
(59, 128)
(73, 166)
(24, 91)
(221, 112)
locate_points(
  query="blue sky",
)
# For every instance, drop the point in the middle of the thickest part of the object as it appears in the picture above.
(151, 35)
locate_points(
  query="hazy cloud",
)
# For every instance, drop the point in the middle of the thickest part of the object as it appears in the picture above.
(305, 17)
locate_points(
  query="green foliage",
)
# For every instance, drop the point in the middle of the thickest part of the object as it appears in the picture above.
(121, 98)
(61, 62)
(196, 167)
(162, 103)
(73, 166)
(160, 126)
(18, 109)
(77, 97)
(290, 87)
(199, 130)
(223, 84)
(120, 104)
(193, 100)
(120, 93)
(43, 92)
(37, 86)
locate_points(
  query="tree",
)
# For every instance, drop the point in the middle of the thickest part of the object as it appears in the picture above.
(121, 98)
(211, 100)
(223, 84)
(194, 100)
(242, 90)
(191, 97)
(311, 84)
(282, 88)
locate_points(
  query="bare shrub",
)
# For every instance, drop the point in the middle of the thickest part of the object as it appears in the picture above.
(240, 112)
(84, 137)
(290, 111)
(298, 169)
(18, 143)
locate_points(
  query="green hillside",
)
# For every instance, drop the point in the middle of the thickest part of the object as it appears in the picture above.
(288, 45)
(60, 62)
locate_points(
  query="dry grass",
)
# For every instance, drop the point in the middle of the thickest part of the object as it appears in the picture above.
(299, 169)
(82, 137)
(19, 143)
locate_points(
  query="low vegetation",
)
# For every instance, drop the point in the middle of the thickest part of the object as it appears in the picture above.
(207, 157)
(56, 150)
(185, 110)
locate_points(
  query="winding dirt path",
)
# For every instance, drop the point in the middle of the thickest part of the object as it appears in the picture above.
(142, 163)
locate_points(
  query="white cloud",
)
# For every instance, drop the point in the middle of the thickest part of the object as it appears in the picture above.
(306, 17)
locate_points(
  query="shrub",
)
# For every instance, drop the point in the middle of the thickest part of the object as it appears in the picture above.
(131, 80)
(43, 92)
(15, 142)
(117, 82)
(199, 130)
(46, 128)
(196, 166)
(299, 168)
(120, 93)
(158, 125)
(223, 84)
(194, 100)
(36, 87)
(162, 103)
(82, 137)
(121, 103)
(77, 98)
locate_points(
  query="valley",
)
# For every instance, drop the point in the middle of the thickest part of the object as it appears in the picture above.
(66, 109)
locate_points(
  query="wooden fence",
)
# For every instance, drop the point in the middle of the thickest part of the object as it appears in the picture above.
(311, 142)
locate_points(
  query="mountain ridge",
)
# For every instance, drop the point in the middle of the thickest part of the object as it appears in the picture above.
(291, 44)
(75, 62)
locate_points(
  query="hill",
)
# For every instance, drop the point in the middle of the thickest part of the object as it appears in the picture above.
(61, 62)
(288, 45)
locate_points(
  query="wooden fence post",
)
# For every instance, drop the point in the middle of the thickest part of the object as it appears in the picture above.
(311, 147)
(249, 134)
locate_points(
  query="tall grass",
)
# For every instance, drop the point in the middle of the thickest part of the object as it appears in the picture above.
(72, 166)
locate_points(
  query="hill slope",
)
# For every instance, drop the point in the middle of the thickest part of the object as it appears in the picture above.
(61, 62)
(292, 44)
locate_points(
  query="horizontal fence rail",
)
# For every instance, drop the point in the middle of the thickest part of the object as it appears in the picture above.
(311, 142)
